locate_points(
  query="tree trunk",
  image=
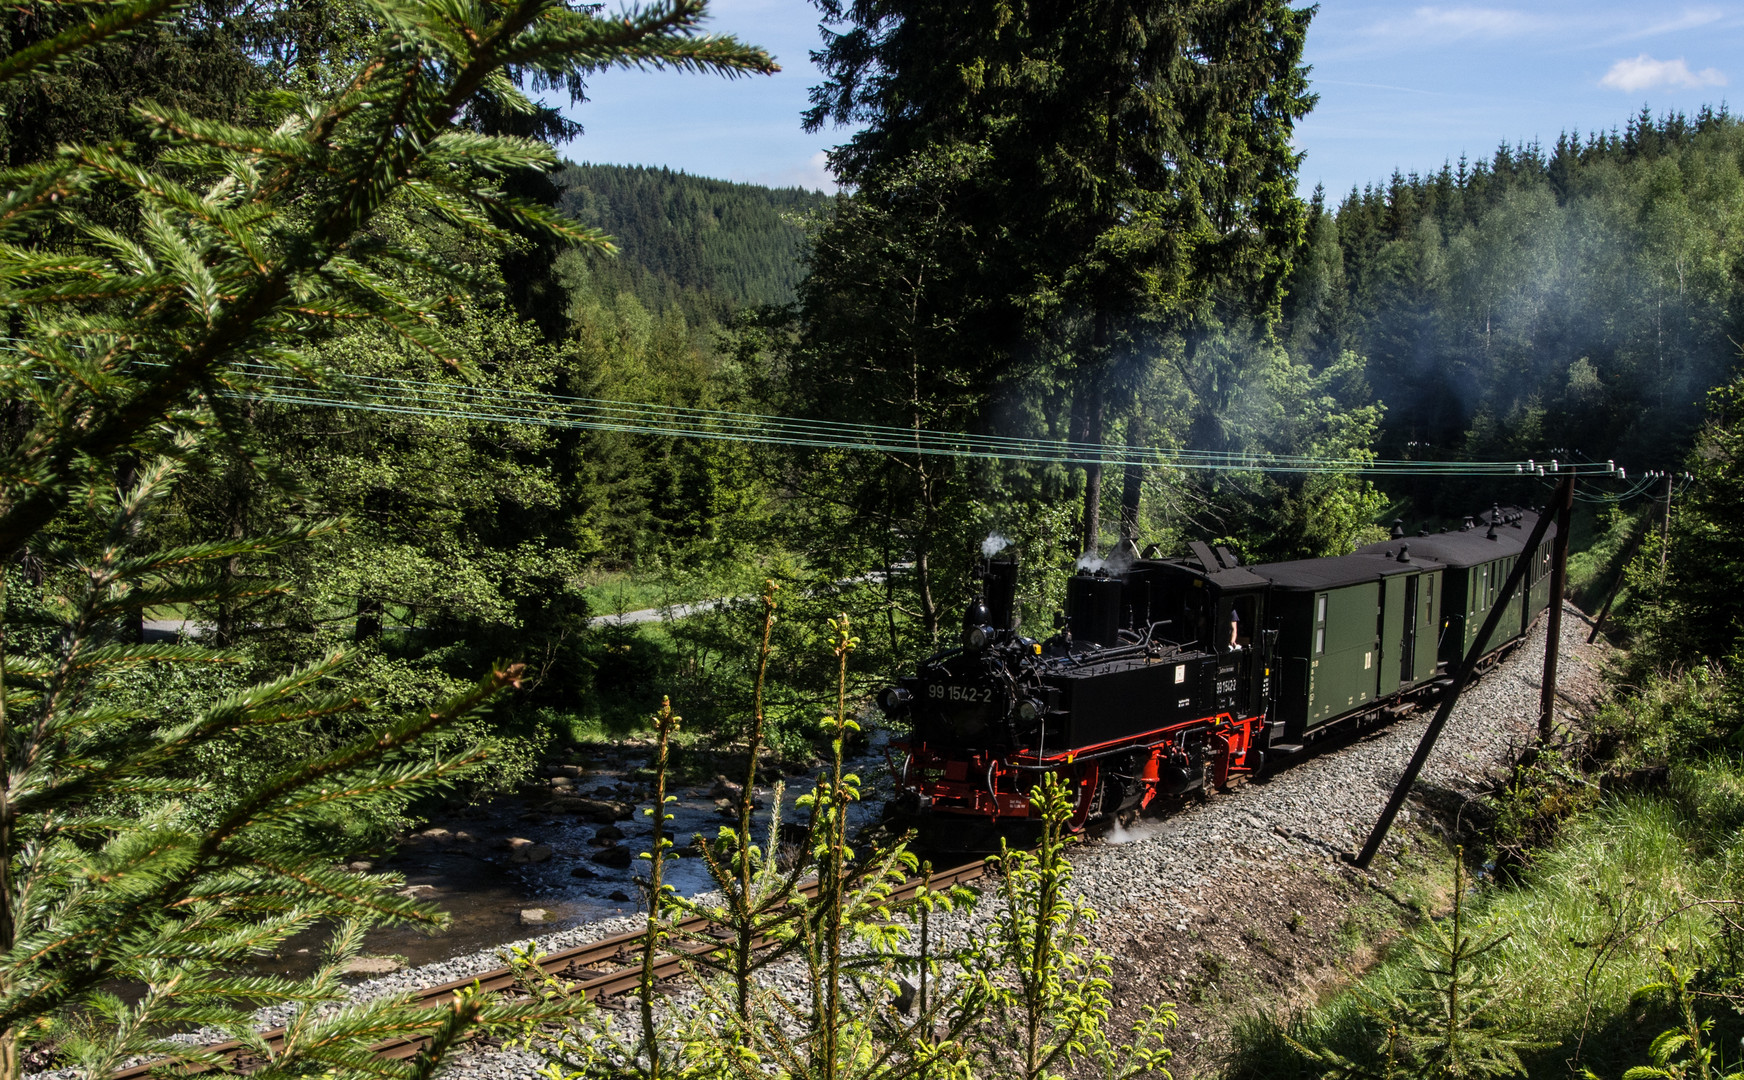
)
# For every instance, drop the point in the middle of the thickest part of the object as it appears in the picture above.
(1132, 484)
(224, 630)
(1075, 436)
(1093, 470)
(923, 551)
(369, 619)
(1091, 375)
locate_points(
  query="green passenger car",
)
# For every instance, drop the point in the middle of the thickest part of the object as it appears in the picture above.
(1351, 631)
(1478, 559)
(1364, 630)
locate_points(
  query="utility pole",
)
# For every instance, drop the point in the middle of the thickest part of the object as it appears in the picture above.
(1553, 630)
(1665, 527)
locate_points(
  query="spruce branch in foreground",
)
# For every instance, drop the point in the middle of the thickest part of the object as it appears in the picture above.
(92, 895)
(258, 239)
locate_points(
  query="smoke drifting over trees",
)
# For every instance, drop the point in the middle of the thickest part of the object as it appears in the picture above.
(1582, 297)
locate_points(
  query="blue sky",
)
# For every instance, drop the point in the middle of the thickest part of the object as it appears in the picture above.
(1401, 85)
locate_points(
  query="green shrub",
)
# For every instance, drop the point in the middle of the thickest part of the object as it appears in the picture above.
(1667, 717)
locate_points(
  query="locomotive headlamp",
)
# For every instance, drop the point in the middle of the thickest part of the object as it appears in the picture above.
(1028, 711)
(975, 638)
(893, 699)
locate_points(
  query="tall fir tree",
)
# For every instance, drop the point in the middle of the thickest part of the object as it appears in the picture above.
(1138, 162)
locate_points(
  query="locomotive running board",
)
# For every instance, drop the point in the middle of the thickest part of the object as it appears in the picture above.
(1287, 749)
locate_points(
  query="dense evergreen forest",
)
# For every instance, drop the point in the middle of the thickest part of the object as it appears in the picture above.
(691, 240)
(236, 237)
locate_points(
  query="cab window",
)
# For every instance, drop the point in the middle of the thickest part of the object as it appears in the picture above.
(1242, 612)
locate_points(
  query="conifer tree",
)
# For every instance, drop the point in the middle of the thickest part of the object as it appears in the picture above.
(1137, 162)
(135, 345)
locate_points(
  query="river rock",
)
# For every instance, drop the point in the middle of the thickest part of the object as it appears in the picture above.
(725, 789)
(525, 850)
(598, 811)
(436, 834)
(532, 853)
(464, 837)
(583, 873)
(607, 834)
(614, 856)
(371, 965)
(619, 895)
(533, 916)
(361, 866)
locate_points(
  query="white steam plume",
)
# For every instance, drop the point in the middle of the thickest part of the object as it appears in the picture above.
(994, 544)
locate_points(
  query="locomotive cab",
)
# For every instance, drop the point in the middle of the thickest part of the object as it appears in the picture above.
(1217, 612)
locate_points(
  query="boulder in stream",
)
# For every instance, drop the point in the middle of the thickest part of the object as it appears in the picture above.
(614, 856)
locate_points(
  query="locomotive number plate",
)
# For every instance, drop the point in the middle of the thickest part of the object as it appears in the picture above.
(960, 693)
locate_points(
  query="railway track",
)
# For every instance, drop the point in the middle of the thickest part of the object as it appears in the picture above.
(619, 956)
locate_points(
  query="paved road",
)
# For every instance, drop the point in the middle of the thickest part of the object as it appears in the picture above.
(170, 629)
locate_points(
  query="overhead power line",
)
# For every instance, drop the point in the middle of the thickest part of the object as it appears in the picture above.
(458, 401)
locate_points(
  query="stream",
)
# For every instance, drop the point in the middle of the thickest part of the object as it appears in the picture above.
(492, 866)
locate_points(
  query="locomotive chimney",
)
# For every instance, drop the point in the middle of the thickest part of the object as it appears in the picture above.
(1398, 528)
(999, 585)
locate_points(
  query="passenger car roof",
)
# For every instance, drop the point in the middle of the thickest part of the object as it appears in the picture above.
(1342, 570)
(1472, 546)
(1240, 577)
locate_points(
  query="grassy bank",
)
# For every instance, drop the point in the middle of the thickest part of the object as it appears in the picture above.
(1633, 882)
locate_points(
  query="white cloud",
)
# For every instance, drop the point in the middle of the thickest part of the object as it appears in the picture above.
(1646, 73)
(817, 173)
(1691, 19)
(1452, 23)
(813, 175)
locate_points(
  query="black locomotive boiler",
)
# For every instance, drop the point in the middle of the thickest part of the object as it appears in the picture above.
(1170, 675)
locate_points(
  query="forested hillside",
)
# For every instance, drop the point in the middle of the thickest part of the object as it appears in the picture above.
(688, 240)
(1584, 297)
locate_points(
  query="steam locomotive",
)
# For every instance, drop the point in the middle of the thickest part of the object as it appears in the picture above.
(1167, 676)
